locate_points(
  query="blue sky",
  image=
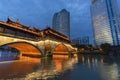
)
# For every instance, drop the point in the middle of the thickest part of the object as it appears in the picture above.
(39, 13)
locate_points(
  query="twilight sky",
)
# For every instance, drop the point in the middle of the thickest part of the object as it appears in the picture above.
(39, 13)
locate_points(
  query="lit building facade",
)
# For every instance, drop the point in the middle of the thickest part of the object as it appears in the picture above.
(61, 22)
(81, 41)
(119, 19)
(105, 18)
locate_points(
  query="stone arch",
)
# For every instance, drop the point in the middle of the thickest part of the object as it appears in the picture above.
(25, 48)
(60, 49)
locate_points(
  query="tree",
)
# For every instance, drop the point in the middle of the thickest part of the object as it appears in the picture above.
(106, 47)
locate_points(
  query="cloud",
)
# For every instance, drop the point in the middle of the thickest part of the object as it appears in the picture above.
(39, 13)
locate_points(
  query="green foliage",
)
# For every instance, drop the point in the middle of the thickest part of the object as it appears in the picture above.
(106, 47)
(49, 52)
(70, 54)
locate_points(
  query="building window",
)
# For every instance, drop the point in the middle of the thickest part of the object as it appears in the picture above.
(1, 29)
(19, 33)
(9, 31)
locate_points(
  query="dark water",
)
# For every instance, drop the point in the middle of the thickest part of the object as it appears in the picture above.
(81, 67)
(95, 67)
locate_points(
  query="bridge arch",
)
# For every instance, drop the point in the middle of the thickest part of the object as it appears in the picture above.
(61, 49)
(25, 48)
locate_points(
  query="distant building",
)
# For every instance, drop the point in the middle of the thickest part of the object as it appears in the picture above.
(81, 41)
(61, 22)
(105, 18)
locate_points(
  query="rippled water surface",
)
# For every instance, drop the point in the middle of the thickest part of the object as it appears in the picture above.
(81, 67)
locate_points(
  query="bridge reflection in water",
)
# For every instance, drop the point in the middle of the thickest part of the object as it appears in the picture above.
(28, 68)
(96, 67)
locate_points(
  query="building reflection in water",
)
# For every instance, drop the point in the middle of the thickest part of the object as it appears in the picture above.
(27, 68)
(109, 72)
(105, 66)
(102, 60)
(83, 59)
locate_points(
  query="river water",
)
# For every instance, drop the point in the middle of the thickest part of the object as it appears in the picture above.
(80, 67)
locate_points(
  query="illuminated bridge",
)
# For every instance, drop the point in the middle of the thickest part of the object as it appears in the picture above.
(33, 41)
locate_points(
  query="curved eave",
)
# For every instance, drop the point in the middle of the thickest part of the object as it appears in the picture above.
(51, 33)
(19, 28)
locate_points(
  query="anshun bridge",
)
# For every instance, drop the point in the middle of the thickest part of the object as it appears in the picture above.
(32, 41)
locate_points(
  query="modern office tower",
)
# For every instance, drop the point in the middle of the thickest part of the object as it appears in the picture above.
(119, 19)
(105, 18)
(61, 22)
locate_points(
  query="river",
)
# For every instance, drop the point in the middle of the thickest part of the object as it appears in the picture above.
(80, 67)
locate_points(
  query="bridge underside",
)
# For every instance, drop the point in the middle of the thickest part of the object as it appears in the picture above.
(62, 49)
(26, 49)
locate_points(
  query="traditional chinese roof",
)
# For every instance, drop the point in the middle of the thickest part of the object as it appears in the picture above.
(18, 25)
(41, 33)
(49, 31)
(35, 29)
(48, 28)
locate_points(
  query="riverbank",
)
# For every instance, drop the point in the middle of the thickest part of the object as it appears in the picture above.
(114, 53)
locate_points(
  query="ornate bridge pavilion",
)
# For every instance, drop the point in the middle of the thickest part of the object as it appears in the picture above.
(33, 41)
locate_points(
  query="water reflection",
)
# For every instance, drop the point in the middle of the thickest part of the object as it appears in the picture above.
(81, 67)
(8, 53)
(95, 67)
(28, 68)
(17, 69)
(52, 68)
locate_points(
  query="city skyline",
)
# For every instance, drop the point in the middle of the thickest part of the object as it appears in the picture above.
(36, 13)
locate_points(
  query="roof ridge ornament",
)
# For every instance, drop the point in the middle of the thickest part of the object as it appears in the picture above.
(9, 20)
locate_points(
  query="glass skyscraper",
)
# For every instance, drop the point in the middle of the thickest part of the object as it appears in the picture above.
(105, 18)
(119, 19)
(61, 22)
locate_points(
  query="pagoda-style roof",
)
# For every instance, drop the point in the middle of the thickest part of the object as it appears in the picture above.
(48, 28)
(49, 31)
(40, 33)
(35, 29)
(18, 25)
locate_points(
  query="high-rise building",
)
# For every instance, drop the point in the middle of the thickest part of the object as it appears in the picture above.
(105, 18)
(61, 22)
(119, 19)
